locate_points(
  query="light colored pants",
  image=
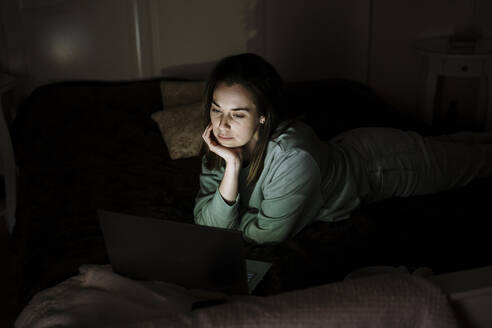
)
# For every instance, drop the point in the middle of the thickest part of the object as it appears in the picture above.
(395, 163)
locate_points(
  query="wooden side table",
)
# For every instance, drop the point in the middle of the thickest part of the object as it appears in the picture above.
(443, 60)
(8, 168)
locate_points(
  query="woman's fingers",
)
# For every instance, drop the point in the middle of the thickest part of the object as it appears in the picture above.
(228, 154)
(205, 132)
(206, 135)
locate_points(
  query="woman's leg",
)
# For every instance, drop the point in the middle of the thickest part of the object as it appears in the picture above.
(467, 137)
(403, 163)
(457, 162)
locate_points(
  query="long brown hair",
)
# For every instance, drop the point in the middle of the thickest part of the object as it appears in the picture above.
(262, 80)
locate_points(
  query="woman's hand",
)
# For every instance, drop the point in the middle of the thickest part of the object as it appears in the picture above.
(232, 156)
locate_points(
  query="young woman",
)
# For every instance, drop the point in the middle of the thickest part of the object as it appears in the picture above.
(270, 178)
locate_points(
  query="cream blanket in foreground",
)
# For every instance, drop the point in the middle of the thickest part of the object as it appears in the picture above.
(97, 297)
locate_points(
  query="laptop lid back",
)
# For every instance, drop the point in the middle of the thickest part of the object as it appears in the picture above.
(189, 255)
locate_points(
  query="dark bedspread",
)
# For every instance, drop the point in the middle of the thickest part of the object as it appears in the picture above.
(86, 145)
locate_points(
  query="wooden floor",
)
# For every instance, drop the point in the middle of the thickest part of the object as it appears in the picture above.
(7, 278)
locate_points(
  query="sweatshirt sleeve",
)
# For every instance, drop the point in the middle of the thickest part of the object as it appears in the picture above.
(292, 199)
(210, 208)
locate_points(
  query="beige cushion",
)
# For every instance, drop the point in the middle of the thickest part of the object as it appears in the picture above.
(181, 128)
(177, 93)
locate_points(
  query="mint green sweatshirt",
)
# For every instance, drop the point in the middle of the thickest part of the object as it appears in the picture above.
(303, 180)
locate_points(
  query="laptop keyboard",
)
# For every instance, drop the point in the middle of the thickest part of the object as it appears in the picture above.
(251, 275)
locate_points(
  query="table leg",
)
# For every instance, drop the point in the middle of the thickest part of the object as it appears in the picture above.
(488, 117)
(429, 97)
(8, 170)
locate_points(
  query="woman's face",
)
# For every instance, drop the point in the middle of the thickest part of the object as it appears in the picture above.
(234, 117)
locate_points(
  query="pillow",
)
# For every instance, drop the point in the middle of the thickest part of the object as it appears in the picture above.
(178, 93)
(181, 128)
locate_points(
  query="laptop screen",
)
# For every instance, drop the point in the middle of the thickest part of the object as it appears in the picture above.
(189, 255)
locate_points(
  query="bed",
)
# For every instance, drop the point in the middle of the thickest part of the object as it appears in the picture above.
(86, 145)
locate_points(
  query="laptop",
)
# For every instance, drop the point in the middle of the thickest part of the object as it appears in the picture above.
(189, 255)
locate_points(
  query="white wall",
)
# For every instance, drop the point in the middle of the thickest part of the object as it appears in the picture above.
(484, 17)
(313, 39)
(90, 39)
(190, 35)
(195, 31)
(11, 47)
(121, 39)
(365, 40)
(397, 70)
